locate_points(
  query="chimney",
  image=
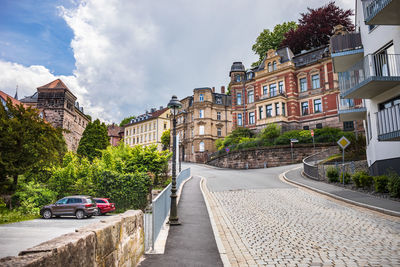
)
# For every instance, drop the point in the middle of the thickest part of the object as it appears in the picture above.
(213, 89)
(222, 89)
(161, 107)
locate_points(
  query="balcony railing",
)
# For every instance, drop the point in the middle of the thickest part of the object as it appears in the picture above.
(346, 42)
(275, 95)
(370, 76)
(351, 109)
(381, 12)
(389, 124)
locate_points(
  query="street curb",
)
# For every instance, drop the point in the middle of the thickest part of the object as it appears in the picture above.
(221, 248)
(283, 177)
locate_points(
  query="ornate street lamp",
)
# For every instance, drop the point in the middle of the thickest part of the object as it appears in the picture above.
(174, 105)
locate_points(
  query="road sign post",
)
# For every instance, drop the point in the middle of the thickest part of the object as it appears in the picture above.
(312, 135)
(291, 146)
(343, 143)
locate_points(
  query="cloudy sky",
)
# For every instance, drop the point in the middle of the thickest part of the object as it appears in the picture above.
(121, 57)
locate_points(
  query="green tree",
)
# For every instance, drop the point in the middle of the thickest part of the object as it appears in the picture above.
(166, 139)
(271, 39)
(94, 139)
(27, 142)
(126, 120)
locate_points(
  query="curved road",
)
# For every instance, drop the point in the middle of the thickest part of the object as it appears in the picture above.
(265, 222)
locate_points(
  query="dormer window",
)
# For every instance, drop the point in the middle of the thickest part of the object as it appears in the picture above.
(237, 78)
(218, 100)
(274, 65)
(201, 97)
(269, 66)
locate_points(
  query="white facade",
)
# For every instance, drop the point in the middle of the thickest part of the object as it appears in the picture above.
(382, 39)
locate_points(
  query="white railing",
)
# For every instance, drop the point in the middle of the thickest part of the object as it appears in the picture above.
(388, 122)
(373, 7)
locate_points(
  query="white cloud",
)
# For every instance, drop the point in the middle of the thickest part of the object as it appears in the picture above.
(133, 55)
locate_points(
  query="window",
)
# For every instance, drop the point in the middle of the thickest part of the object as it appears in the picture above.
(251, 118)
(268, 111)
(201, 129)
(319, 126)
(306, 127)
(201, 146)
(192, 133)
(219, 132)
(201, 97)
(250, 96)
(390, 103)
(260, 112)
(237, 78)
(154, 126)
(280, 85)
(283, 109)
(272, 90)
(348, 126)
(62, 201)
(145, 128)
(315, 81)
(134, 129)
(276, 109)
(201, 113)
(274, 65)
(192, 149)
(303, 84)
(218, 100)
(239, 119)
(304, 108)
(141, 128)
(317, 106)
(269, 67)
(369, 130)
(239, 99)
(137, 140)
(165, 126)
(265, 89)
(218, 115)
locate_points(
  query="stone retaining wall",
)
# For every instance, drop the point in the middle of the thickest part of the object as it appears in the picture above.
(272, 156)
(115, 241)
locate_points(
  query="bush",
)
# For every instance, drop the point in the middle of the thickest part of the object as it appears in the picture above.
(30, 197)
(271, 132)
(362, 179)
(394, 184)
(333, 174)
(347, 178)
(380, 183)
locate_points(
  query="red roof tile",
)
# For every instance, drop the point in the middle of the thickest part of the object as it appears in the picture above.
(13, 100)
(56, 84)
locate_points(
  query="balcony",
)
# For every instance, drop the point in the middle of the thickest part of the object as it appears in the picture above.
(381, 12)
(268, 96)
(346, 50)
(351, 110)
(371, 76)
(389, 124)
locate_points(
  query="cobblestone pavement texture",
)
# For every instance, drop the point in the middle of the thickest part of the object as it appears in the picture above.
(278, 226)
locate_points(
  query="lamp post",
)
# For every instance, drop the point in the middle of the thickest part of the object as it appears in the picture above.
(174, 105)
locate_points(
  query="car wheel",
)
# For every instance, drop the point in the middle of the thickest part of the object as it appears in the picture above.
(89, 216)
(97, 212)
(79, 214)
(47, 214)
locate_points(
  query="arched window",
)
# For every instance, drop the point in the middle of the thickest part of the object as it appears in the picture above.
(274, 65)
(269, 66)
(201, 146)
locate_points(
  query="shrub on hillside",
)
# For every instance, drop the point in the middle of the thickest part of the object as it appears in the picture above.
(362, 179)
(271, 132)
(347, 178)
(380, 183)
(333, 174)
(394, 184)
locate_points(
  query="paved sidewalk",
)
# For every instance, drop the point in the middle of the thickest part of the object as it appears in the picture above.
(387, 206)
(192, 243)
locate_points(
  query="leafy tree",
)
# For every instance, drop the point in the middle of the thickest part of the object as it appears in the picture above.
(271, 39)
(272, 131)
(316, 27)
(27, 142)
(94, 139)
(166, 139)
(126, 121)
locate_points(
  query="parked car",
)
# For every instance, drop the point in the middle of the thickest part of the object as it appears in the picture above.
(79, 206)
(103, 206)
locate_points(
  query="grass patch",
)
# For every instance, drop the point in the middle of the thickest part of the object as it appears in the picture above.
(11, 216)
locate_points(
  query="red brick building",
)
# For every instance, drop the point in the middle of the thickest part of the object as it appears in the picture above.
(294, 91)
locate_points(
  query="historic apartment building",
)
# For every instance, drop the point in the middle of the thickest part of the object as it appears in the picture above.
(59, 107)
(205, 117)
(368, 65)
(147, 128)
(293, 91)
(115, 133)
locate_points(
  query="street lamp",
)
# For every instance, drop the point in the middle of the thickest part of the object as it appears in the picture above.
(174, 105)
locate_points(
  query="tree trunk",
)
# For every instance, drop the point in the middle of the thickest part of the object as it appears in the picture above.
(15, 183)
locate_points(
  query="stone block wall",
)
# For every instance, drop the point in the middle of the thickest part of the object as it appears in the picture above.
(271, 156)
(115, 241)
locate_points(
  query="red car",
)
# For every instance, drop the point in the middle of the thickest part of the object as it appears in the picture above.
(103, 206)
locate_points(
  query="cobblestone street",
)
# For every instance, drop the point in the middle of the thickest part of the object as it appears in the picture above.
(291, 226)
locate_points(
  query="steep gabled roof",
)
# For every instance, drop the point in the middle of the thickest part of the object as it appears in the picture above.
(56, 84)
(14, 101)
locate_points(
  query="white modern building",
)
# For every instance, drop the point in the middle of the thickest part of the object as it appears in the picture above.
(368, 65)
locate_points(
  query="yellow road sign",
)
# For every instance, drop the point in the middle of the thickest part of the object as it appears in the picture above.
(343, 142)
